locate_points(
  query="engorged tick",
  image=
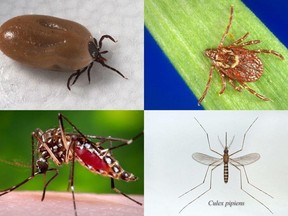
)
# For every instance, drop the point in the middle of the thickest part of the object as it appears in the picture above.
(54, 44)
(235, 63)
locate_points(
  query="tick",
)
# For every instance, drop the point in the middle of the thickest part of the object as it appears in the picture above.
(236, 63)
(52, 43)
(62, 147)
(225, 159)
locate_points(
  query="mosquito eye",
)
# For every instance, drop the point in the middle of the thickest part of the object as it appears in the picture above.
(42, 165)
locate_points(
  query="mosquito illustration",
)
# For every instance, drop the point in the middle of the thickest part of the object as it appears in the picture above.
(66, 147)
(226, 159)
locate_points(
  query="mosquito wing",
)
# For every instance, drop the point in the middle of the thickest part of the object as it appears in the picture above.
(245, 160)
(206, 159)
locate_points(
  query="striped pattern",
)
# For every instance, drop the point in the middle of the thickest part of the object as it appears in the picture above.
(226, 173)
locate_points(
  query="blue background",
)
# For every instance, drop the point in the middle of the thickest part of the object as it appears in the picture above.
(165, 89)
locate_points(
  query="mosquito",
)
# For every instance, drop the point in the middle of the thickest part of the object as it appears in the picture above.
(226, 159)
(67, 147)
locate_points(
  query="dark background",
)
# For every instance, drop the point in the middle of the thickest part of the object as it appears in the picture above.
(174, 93)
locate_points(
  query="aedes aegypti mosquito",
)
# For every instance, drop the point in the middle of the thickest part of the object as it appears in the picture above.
(67, 147)
(226, 159)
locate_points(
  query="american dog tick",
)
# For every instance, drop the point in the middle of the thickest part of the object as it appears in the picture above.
(235, 63)
(54, 44)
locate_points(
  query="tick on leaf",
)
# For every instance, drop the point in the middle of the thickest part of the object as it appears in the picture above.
(54, 44)
(236, 63)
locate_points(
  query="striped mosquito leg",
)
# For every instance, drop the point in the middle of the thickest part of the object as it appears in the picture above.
(120, 192)
(226, 173)
(18, 185)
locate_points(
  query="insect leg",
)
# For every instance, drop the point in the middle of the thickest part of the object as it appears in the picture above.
(124, 142)
(208, 140)
(241, 186)
(240, 40)
(228, 27)
(269, 52)
(111, 68)
(71, 179)
(244, 137)
(238, 88)
(253, 91)
(120, 192)
(252, 184)
(207, 85)
(33, 173)
(223, 82)
(103, 37)
(250, 43)
(50, 180)
(88, 72)
(69, 154)
(8, 190)
(198, 186)
(76, 75)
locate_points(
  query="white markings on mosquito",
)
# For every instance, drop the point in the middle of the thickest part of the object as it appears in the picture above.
(226, 159)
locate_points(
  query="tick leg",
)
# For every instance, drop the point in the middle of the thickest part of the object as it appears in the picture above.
(198, 186)
(76, 75)
(241, 186)
(228, 27)
(250, 43)
(269, 52)
(111, 68)
(207, 85)
(103, 37)
(223, 82)
(238, 88)
(120, 192)
(254, 92)
(240, 39)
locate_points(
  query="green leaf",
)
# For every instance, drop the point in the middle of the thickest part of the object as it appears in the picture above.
(184, 29)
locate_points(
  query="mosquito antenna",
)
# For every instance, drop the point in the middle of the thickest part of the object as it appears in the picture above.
(244, 137)
(231, 142)
(220, 142)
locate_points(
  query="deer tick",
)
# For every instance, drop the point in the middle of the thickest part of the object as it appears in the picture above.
(236, 63)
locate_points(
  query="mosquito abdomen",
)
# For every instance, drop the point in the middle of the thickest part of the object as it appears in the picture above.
(226, 173)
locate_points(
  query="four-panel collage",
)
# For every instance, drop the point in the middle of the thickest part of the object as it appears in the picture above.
(143, 107)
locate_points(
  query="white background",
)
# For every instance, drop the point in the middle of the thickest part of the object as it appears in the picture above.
(23, 87)
(171, 137)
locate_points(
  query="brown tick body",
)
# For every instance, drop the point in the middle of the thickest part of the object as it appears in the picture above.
(52, 43)
(236, 63)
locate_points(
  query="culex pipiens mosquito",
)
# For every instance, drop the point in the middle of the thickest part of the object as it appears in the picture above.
(226, 159)
(65, 147)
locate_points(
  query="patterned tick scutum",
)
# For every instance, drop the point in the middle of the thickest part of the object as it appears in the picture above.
(236, 63)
